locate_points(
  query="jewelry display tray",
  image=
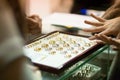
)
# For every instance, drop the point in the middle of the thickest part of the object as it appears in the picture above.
(57, 51)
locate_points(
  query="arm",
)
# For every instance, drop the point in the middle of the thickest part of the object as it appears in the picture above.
(113, 11)
(108, 40)
(106, 27)
(13, 64)
(34, 25)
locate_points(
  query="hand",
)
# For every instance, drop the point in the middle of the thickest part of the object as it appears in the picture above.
(34, 24)
(106, 27)
(112, 41)
(36, 72)
(113, 11)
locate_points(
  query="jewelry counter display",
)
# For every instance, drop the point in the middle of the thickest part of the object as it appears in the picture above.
(57, 50)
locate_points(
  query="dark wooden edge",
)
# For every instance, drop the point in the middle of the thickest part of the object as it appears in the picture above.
(72, 61)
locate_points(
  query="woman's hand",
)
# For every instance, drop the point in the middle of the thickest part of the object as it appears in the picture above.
(112, 41)
(106, 27)
(34, 24)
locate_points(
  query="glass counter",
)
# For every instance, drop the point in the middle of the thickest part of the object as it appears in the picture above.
(79, 71)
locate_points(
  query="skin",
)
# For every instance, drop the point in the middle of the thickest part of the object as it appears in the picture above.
(34, 26)
(26, 24)
(108, 25)
(109, 40)
(34, 23)
(113, 11)
(103, 26)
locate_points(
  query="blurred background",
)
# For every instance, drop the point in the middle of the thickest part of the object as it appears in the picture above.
(46, 7)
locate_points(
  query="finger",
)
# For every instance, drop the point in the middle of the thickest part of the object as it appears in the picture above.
(114, 47)
(34, 68)
(118, 36)
(92, 37)
(31, 20)
(101, 37)
(115, 42)
(100, 42)
(94, 23)
(98, 18)
(110, 40)
(95, 29)
(106, 39)
(35, 17)
(106, 32)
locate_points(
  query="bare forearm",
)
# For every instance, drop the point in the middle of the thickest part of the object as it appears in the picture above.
(112, 14)
(113, 11)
